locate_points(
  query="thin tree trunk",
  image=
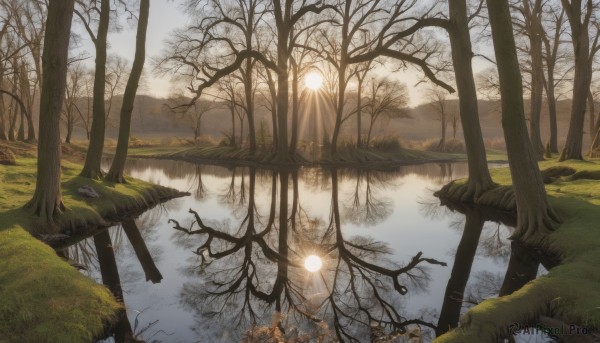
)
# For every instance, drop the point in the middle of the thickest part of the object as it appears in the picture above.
(535, 217)
(27, 98)
(340, 107)
(592, 121)
(93, 158)
(581, 81)
(115, 174)
(249, 90)
(282, 94)
(47, 198)
(3, 135)
(479, 176)
(552, 110)
(21, 132)
(359, 113)
(232, 143)
(537, 74)
(295, 109)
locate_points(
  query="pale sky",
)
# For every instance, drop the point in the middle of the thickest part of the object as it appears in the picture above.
(165, 16)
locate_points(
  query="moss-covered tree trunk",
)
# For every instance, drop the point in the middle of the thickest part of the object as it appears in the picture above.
(115, 174)
(47, 198)
(460, 42)
(535, 217)
(93, 158)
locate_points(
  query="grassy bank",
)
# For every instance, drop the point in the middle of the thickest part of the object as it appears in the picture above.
(359, 158)
(569, 292)
(43, 298)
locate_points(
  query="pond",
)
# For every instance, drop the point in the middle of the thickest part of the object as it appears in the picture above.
(394, 263)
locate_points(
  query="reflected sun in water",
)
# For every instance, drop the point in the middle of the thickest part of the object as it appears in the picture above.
(313, 263)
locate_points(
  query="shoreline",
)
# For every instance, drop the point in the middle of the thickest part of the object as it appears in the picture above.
(569, 292)
(43, 298)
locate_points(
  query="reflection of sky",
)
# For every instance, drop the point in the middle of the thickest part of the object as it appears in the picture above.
(407, 229)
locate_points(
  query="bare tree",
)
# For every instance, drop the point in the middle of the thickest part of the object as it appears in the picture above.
(47, 198)
(529, 24)
(438, 102)
(535, 216)
(581, 19)
(115, 173)
(74, 92)
(554, 59)
(93, 158)
(116, 81)
(385, 97)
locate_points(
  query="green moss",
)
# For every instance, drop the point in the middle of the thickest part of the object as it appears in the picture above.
(43, 298)
(569, 290)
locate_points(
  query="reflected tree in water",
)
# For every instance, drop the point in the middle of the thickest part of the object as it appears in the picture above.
(255, 271)
(365, 205)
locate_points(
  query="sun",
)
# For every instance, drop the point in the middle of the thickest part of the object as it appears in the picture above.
(313, 81)
(313, 263)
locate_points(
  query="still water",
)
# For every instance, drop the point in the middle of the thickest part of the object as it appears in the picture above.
(234, 270)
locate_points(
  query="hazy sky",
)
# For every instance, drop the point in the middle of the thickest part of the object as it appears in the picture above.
(165, 16)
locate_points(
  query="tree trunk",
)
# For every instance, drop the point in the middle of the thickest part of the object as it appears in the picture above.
(93, 158)
(274, 125)
(552, 110)
(460, 42)
(295, 109)
(21, 132)
(3, 135)
(537, 74)
(339, 111)
(442, 145)
(581, 83)
(27, 98)
(592, 121)
(535, 217)
(69, 130)
(461, 269)
(359, 113)
(47, 198)
(232, 143)
(282, 94)
(115, 174)
(249, 90)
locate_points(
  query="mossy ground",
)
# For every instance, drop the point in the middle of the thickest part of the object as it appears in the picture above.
(570, 290)
(43, 298)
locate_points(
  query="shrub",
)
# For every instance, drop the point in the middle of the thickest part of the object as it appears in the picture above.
(386, 144)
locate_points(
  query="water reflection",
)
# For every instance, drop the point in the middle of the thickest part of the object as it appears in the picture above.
(101, 256)
(256, 272)
(233, 270)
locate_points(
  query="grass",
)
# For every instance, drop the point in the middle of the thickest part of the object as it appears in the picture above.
(43, 298)
(570, 290)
